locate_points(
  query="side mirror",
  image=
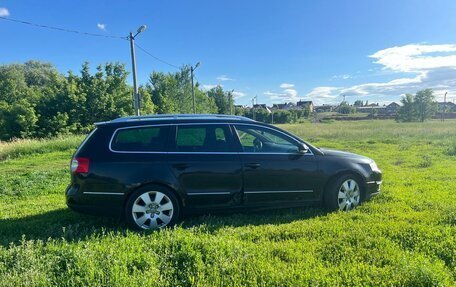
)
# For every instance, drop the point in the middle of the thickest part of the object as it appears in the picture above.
(303, 148)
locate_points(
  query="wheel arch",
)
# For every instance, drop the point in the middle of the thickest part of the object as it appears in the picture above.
(334, 177)
(160, 184)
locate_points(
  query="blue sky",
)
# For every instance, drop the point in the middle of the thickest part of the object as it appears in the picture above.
(276, 50)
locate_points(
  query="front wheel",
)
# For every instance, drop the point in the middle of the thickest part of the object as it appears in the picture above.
(343, 194)
(152, 208)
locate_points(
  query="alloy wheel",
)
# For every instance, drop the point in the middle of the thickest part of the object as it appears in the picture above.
(152, 210)
(349, 195)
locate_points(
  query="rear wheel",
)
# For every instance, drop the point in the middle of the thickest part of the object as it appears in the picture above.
(344, 193)
(151, 208)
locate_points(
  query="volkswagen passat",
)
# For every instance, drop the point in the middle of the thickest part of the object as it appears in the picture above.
(153, 169)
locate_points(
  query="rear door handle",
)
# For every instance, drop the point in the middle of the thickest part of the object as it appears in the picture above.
(180, 166)
(253, 165)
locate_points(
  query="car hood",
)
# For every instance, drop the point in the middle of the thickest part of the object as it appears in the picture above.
(344, 154)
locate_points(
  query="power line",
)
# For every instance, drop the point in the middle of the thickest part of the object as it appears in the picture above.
(86, 34)
(62, 29)
(156, 58)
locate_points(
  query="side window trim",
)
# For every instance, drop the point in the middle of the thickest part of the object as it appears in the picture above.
(173, 132)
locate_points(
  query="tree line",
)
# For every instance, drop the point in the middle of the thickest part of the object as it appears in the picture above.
(38, 101)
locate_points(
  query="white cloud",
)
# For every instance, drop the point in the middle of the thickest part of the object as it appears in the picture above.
(209, 87)
(288, 95)
(238, 95)
(417, 66)
(272, 94)
(341, 77)
(324, 92)
(286, 86)
(291, 92)
(101, 26)
(4, 12)
(416, 57)
(224, 78)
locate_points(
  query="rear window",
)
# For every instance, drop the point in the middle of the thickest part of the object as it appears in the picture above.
(141, 139)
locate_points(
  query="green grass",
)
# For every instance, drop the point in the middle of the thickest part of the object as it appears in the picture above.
(19, 148)
(404, 237)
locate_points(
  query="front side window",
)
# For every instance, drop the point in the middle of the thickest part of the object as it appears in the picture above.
(203, 138)
(263, 140)
(141, 139)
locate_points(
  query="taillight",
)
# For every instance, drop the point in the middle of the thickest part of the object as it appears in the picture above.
(80, 165)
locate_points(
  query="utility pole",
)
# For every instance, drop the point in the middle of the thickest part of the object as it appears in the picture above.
(136, 96)
(444, 107)
(192, 69)
(231, 100)
(253, 107)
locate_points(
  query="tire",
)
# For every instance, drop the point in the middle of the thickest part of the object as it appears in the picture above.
(344, 193)
(152, 208)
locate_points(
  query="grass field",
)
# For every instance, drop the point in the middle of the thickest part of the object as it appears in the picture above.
(404, 237)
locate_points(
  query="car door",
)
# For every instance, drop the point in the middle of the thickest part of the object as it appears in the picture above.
(206, 165)
(274, 170)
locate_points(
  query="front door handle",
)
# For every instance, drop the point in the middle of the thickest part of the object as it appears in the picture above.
(180, 166)
(253, 165)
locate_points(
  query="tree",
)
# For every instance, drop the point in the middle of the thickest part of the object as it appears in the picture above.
(282, 117)
(262, 115)
(358, 103)
(425, 104)
(240, 111)
(417, 108)
(17, 120)
(172, 93)
(161, 87)
(345, 109)
(407, 112)
(221, 99)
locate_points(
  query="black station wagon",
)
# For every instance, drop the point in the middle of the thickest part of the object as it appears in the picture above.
(153, 169)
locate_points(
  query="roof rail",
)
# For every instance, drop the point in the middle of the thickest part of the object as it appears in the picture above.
(176, 116)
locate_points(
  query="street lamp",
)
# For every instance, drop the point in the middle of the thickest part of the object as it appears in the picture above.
(192, 69)
(136, 96)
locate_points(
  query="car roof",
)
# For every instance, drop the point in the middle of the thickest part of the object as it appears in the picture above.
(175, 118)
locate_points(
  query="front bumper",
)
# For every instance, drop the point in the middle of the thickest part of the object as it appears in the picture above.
(373, 188)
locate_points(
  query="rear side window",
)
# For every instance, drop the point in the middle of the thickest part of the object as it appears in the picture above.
(141, 139)
(203, 138)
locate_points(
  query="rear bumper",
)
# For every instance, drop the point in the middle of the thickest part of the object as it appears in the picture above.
(93, 203)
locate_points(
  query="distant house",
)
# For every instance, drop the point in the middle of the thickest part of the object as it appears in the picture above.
(392, 108)
(260, 106)
(324, 108)
(278, 106)
(302, 104)
(285, 106)
(449, 107)
(365, 109)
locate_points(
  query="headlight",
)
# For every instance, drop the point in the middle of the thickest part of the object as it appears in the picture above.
(374, 166)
